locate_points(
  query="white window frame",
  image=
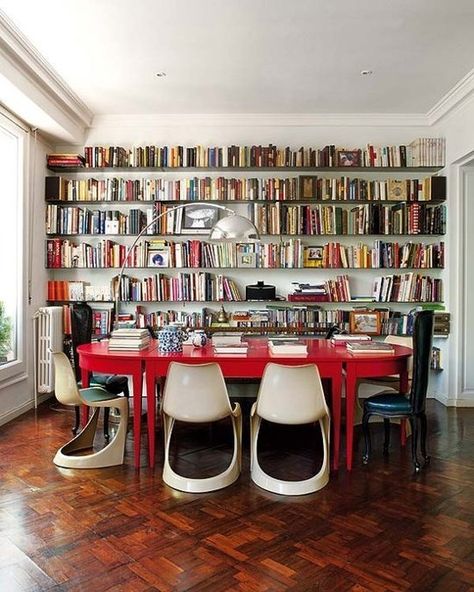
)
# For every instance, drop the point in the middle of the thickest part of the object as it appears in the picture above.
(16, 369)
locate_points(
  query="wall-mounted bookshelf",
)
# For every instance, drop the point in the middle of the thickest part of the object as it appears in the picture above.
(315, 220)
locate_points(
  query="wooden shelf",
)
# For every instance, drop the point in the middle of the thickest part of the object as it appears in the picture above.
(346, 170)
(210, 269)
(285, 202)
(252, 302)
(315, 236)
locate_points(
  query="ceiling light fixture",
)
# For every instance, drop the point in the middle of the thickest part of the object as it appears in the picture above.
(366, 72)
(161, 74)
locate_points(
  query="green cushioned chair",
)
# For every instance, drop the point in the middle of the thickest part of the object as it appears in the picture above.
(390, 405)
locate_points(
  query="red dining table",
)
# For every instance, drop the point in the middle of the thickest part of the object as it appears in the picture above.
(327, 357)
(332, 361)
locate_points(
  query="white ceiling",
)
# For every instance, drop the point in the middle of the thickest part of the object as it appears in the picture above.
(252, 56)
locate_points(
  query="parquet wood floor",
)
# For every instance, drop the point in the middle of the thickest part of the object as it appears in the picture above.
(378, 529)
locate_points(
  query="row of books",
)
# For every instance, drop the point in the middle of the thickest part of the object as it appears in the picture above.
(102, 316)
(354, 189)
(278, 317)
(250, 189)
(420, 152)
(185, 287)
(382, 255)
(64, 290)
(402, 218)
(75, 220)
(409, 287)
(336, 290)
(291, 253)
(274, 219)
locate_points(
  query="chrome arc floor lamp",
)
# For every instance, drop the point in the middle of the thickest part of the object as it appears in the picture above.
(232, 228)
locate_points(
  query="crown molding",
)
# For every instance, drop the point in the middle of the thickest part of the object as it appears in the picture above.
(261, 120)
(25, 68)
(452, 99)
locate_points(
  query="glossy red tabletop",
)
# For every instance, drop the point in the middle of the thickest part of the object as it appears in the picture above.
(101, 349)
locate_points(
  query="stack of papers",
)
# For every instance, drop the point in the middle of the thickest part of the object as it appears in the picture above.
(129, 339)
(287, 347)
(370, 347)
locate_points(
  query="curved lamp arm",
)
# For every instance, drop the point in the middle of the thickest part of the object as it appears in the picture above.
(143, 231)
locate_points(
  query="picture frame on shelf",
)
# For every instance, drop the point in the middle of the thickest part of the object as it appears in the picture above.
(348, 158)
(246, 260)
(313, 256)
(198, 219)
(368, 322)
(158, 258)
(308, 186)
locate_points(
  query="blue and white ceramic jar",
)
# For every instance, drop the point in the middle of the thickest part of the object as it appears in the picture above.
(171, 339)
(199, 338)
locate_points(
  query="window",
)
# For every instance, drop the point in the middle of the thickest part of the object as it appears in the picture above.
(11, 247)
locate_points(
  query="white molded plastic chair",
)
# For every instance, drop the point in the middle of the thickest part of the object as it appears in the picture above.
(290, 395)
(68, 393)
(196, 393)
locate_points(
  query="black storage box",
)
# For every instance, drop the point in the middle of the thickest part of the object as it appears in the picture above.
(260, 291)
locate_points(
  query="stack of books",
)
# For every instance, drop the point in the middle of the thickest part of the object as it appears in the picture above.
(65, 160)
(308, 293)
(284, 347)
(370, 347)
(226, 338)
(129, 339)
(344, 339)
(231, 349)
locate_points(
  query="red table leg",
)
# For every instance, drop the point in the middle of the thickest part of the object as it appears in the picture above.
(351, 384)
(336, 388)
(151, 406)
(137, 415)
(85, 381)
(403, 389)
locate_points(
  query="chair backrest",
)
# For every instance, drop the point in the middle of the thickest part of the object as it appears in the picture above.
(422, 342)
(65, 385)
(405, 341)
(195, 392)
(81, 330)
(291, 394)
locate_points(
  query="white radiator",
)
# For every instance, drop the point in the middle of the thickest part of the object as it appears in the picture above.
(49, 338)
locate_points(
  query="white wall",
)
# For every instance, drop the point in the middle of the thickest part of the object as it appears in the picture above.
(18, 397)
(457, 127)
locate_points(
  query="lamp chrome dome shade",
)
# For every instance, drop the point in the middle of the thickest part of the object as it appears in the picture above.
(234, 228)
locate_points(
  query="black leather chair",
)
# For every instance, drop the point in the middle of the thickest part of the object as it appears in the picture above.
(81, 332)
(390, 405)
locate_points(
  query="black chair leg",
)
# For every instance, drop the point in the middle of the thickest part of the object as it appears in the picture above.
(386, 432)
(106, 423)
(77, 410)
(365, 429)
(126, 392)
(423, 430)
(414, 443)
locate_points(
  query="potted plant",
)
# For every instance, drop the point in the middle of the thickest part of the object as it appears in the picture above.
(5, 334)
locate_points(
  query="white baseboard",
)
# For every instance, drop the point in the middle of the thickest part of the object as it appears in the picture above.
(454, 402)
(14, 413)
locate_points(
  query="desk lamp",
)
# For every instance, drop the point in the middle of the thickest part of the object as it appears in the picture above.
(231, 228)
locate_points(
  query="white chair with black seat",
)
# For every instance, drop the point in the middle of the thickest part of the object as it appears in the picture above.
(290, 395)
(68, 393)
(197, 393)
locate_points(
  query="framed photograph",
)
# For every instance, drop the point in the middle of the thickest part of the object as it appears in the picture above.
(199, 219)
(158, 258)
(365, 321)
(348, 158)
(308, 187)
(246, 260)
(313, 256)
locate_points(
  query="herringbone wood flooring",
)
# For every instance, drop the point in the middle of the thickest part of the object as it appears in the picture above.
(377, 529)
